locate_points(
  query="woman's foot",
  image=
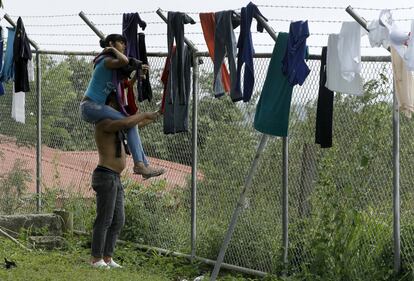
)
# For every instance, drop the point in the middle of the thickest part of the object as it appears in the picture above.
(147, 172)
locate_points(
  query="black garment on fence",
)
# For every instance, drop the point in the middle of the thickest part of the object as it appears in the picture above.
(144, 85)
(324, 110)
(21, 55)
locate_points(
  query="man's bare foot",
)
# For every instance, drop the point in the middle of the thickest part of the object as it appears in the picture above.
(147, 172)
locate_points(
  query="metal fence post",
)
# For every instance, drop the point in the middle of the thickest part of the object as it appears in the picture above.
(395, 160)
(285, 203)
(194, 160)
(396, 182)
(285, 208)
(196, 62)
(237, 210)
(91, 25)
(285, 168)
(39, 121)
(39, 134)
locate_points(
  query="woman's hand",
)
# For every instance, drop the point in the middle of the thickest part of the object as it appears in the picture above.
(108, 50)
(144, 71)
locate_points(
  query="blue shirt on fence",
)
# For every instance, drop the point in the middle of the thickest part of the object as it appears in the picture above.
(294, 66)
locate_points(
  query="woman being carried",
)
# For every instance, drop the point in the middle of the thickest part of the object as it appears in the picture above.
(93, 108)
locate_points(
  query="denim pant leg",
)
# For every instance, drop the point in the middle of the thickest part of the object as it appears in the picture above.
(93, 112)
(118, 220)
(106, 193)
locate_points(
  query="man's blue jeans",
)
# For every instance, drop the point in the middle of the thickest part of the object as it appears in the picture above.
(110, 214)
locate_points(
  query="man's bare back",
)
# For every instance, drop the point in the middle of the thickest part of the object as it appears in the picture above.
(106, 134)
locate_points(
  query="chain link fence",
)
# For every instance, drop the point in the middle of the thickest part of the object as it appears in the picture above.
(340, 199)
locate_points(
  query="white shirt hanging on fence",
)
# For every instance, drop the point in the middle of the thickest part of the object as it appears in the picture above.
(404, 84)
(18, 106)
(349, 50)
(384, 32)
(334, 79)
(379, 34)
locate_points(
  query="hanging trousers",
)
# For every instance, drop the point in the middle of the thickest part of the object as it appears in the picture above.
(175, 30)
(144, 86)
(324, 110)
(246, 50)
(175, 113)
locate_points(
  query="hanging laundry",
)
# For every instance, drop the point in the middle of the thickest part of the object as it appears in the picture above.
(349, 50)
(246, 50)
(7, 72)
(164, 79)
(130, 22)
(409, 52)
(30, 70)
(404, 84)
(136, 48)
(208, 24)
(335, 81)
(128, 97)
(385, 32)
(324, 109)
(396, 37)
(294, 66)
(272, 111)
(378, 33)
(175, 113)
(1, 59)
(144, 89)
(18, 106)
(175, 30)
(21, 54)
(225, 43)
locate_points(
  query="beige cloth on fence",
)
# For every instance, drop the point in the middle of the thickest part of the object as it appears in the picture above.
(404, 84)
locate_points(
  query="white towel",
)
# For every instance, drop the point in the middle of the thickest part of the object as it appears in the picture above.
(18, 106)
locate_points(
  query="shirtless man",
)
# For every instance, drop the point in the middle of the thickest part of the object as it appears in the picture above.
(106, 182)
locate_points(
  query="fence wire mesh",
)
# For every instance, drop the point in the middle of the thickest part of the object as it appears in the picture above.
(340, 199)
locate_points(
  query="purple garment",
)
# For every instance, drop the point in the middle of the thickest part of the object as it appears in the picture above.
(294, 66)
(130, 22)
(136, 48)
(246, 50)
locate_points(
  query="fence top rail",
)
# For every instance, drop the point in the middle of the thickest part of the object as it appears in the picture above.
(201, 54)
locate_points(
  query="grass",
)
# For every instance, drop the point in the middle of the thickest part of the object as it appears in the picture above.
(72, 264)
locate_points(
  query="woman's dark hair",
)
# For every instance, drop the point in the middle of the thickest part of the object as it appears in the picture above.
(111, 38)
